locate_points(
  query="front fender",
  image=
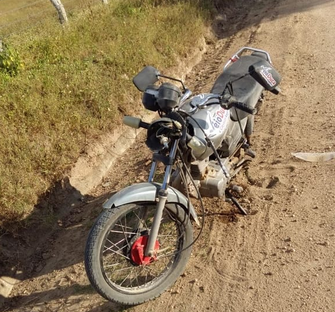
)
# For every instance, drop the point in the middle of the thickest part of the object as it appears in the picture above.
(147, 192)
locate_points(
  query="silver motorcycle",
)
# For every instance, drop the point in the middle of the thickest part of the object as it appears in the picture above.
(141, 242)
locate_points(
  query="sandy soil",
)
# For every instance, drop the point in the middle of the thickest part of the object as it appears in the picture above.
(278, 258)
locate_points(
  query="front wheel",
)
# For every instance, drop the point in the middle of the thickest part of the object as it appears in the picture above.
(114, 257)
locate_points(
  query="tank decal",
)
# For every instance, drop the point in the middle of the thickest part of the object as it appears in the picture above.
(218, 120)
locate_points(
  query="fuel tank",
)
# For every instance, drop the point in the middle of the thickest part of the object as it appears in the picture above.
(214, 122)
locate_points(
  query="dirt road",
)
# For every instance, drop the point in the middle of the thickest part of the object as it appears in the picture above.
(282, 256)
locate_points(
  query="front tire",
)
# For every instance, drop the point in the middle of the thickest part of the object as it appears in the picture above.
(113, 263)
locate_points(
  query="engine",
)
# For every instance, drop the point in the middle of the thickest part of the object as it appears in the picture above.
(210, 179)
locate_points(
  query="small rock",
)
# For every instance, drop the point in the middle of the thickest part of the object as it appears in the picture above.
(294, 188)
(268, 197)
(323, 243)
(245, 201)
(45, 256)
(273, 182)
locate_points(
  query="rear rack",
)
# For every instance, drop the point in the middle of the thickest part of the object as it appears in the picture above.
(237, 55)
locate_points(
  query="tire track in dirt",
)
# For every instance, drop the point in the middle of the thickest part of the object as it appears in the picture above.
(290, 205)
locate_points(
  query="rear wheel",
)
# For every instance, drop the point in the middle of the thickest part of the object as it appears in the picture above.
(114, 257)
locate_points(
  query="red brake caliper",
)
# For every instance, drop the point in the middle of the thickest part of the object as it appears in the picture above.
(138, 249)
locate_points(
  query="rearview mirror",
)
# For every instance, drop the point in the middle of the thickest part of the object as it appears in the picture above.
(147, 76)
(265, 74)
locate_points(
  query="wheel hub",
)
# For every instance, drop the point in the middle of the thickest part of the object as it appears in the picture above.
(138, 249)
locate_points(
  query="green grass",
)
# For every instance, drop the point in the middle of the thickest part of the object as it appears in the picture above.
(18, 15)
(76, 85)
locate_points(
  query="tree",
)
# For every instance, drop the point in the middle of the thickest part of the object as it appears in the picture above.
(60, 10)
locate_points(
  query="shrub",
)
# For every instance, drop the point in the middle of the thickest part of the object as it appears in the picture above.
(10, 62)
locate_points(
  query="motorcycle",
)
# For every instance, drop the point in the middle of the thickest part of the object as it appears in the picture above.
(141, 242)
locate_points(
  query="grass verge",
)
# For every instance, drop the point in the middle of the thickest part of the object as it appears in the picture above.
(76, 85)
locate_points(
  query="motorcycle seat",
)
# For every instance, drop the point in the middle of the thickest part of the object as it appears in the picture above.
(245, 88)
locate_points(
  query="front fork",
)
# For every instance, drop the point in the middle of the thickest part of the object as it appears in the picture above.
(162, 197)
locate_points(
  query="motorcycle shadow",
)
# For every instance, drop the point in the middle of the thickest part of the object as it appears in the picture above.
(45, 252)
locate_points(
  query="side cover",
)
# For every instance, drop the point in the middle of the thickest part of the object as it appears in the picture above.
(147, 192)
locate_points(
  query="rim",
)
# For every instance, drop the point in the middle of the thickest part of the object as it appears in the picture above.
(123, 263)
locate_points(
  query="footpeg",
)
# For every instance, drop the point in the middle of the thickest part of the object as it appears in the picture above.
(237, 188)
(250, 153)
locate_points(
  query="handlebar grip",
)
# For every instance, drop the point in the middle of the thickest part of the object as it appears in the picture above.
(244, 107)
(135, 122)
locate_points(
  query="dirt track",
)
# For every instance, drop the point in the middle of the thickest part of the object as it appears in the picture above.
(280, 257)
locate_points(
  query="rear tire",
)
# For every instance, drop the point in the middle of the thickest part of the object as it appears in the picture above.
(112, 265)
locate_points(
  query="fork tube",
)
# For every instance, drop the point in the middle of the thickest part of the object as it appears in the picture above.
(152, 171)
(168, 168)
(162, 197)
(149, 251)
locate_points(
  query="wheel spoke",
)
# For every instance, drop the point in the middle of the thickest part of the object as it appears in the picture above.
(117, 259)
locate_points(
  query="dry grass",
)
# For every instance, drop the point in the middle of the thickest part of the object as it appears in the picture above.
(18, 15)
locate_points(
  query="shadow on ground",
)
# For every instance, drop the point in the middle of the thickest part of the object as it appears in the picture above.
(234, 16)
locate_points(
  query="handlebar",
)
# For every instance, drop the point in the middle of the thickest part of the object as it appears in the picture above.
(244, 107)
(229, 101)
